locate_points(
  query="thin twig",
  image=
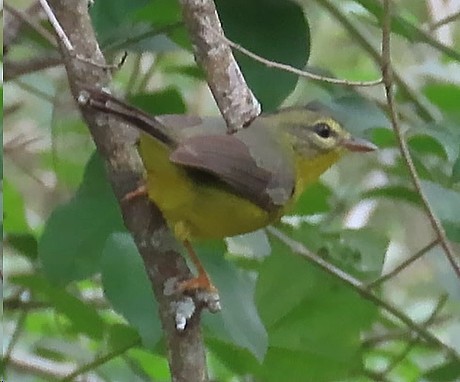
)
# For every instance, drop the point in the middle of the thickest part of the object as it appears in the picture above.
(104, 66)
(57, 27)
(33, 90)
(142, 36)
(145, 78)
(101, 360)
(14, 69)
(404, 264)
(401, 334)
(291, 69)
(14, 338)
(134, 74)
(359, 287)
(410, 345)
(437, 309)
(446, 20)
(12, 26)
(26, 19)
(44, 369)
(388, 83)
(421, 104)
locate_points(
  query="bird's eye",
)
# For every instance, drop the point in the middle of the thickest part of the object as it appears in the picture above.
(323, 130)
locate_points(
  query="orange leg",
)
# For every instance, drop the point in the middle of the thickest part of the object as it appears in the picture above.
(140, 191)
(200, 282)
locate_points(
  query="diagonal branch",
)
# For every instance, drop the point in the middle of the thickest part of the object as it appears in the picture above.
(235, 100)
(404, 264)
(27, 19)
(361, 288)
(302, 73)
(13, 23)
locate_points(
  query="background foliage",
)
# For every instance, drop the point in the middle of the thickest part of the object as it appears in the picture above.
(76, 297)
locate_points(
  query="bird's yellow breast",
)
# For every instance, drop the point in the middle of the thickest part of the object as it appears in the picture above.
(205, 210)
(196, 210)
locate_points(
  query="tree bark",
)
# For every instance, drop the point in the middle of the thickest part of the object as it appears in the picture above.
(186, 354)
(157, 246)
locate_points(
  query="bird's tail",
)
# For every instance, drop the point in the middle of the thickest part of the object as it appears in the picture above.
(100, 100)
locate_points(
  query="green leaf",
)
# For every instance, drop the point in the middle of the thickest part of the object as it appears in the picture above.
(446, 133)
(314, 200)
(383, 137)
(280, 32)
(456, 171)
(239, 321)
(71, 245)
(14, 214)
(393, 192)
(160, 12)
(72, 146)
(370, 246)
(166, 101)
(49, 353)
(350, 109)
(313, 333)
(24, 243)
(109, 16)
(139, 25)
(154, 365)
(447, 372)
(446, 205)
(85, 319)
(239, 360)
(128, 288)
(192, 71)
(121, 336)
(425, 144)
(444, 95)
(404, 27)
(1, 129)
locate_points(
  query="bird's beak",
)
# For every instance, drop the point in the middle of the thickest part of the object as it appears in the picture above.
(358, 145)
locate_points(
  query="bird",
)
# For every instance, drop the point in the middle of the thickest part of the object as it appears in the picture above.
(210, 184)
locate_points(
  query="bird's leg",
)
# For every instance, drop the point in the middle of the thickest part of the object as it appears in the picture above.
(202, 281)
(139, 191)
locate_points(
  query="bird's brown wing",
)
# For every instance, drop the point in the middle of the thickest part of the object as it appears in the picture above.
(268, 184)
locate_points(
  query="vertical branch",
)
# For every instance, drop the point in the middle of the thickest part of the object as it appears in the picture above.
(388, 84)
(85, 66)
(235, 100)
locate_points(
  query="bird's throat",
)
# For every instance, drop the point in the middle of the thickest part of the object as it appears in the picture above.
(310, 169)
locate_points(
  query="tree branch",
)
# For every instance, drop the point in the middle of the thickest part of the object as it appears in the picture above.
(404, 264)
(154, 241)
(14, 69)
(301, 73)
(446, 20)
(13, 24)
(26, 18)
(235, 100)
(360, 288)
